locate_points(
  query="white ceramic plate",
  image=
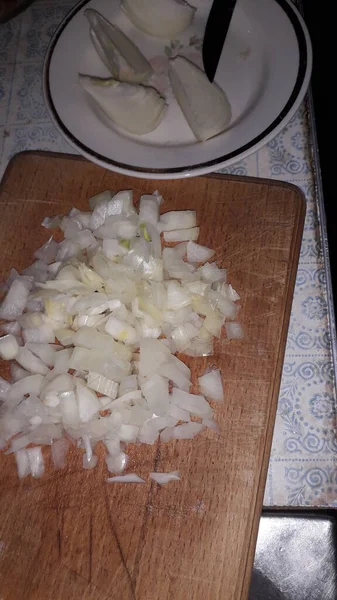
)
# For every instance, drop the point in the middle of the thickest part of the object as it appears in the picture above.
(265, 70)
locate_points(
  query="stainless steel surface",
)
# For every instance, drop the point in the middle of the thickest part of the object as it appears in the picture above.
(295, 558)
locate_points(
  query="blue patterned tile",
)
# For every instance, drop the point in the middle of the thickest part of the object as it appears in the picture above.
(302, 482)
(27, 103)
(245, 167)
(287, 156)
(39, 24)
(9, 33)
(6, 75)
(33, 137)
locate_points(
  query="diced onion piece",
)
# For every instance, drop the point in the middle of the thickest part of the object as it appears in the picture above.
(18, 372)
(187, 430)
(128, 433)
(29, 361)
(27, 385)
(9, 347)
(196, 405)
(178, 219)
(129, 478)
(69, 408)
(41, 335)
(47, 252)
(12, 327)
(5, 386)
(211, 385)
(59, 451)
(163, 478)
(117, 463)
(102, 384)
(45, 352)
(36, 462)
(197, 253)
(181, 235)
(88, 404)
(234, 330)
(121, 330)
(211, 424)
(156, 391)
(90, 463)
(22, 463)
(16, 299)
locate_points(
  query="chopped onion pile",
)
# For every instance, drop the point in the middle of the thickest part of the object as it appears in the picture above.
(92, 329)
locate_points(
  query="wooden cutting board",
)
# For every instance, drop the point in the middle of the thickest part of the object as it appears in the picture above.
(70, 535)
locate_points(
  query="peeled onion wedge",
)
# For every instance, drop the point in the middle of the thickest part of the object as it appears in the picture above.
(118, 53)
(134, 108)
(205, 106)
(160, 18)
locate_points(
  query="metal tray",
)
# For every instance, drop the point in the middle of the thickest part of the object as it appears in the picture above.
(296, 556)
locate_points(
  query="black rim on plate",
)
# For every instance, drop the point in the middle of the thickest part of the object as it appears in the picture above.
(302, 69)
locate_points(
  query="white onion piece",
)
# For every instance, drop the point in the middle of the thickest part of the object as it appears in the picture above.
(128, 433)
(116, 464)
(102, 384)
(36, 463)
(27, 385)
(12, 327)
(45, 352)
(163, 478)
(160, 18)
(181, 235)
(113, 445)
(9, 347)
(234, 330)
(121, 330)
(59, 451)
(41, 335)
(211, 385)
(132, 107)
(195, 94)
(29, 361)
(88, 404)
(69, 409)
(90, 463)
(5, 386)
(18, 372)
(156, 391)
(178, 414)
(22, 463)
(197, 253)
(118, 53)
(129, 478)
(187, 431)
(212, 424)
(129, 384)
(195, 404)
(47, 252)
(210, 273)
(178, 219)
(64, 335)
(16, 299)
(172, 372)
(167, 434)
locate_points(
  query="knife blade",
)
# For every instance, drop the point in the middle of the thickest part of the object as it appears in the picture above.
(217, 26)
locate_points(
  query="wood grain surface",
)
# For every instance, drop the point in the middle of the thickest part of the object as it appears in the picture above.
(72, 536)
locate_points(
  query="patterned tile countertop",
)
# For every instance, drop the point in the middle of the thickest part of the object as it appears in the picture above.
(303, 464)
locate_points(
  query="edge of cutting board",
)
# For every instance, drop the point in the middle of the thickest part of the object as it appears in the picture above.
(296, 244)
